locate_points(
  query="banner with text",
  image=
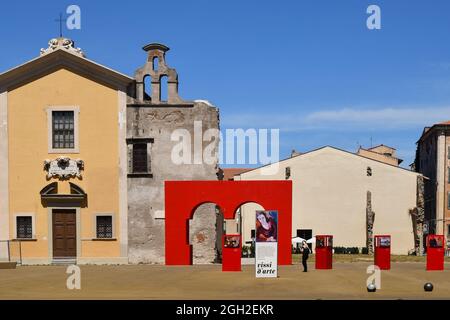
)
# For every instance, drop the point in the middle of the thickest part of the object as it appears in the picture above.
(266, 246)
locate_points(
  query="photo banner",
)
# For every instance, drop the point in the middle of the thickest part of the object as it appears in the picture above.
(266, 244)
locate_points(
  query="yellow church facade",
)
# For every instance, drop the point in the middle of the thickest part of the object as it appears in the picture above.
(63, 160)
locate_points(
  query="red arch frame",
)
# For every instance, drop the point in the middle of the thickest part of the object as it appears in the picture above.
(183, 197)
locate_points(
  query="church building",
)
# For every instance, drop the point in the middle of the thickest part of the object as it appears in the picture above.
(84, 153)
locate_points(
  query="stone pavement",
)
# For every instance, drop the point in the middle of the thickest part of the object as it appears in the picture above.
(345, 281)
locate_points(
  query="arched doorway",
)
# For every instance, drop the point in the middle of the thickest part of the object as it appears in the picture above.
(205, 233)
(183, 197)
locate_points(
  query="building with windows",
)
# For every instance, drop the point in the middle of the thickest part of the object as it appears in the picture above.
(84, 153)
(433, 161)
(381, 153)
(344, 194)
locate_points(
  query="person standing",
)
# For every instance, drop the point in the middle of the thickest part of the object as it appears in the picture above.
(305, 255)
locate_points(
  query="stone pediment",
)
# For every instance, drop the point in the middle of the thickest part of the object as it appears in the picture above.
(60, 58)
(51, 197)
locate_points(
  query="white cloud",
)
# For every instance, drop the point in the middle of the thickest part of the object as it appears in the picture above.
(347, 119)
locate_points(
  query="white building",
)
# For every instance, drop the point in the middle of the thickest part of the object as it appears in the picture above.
(330, 189)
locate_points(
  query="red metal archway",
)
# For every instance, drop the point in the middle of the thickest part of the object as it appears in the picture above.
(182, 198)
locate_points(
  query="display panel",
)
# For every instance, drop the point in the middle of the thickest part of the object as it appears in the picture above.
(436, 243)
(266, 250)
(385, 241)
(232, 241)
(320, 242)
(266, 226)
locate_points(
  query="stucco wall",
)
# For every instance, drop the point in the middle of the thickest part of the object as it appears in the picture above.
(28, 148)
(329, 197)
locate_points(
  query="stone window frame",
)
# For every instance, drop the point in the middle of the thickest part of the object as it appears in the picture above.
(33, 225)
(76, 112)
(132, 141)
(113, 223)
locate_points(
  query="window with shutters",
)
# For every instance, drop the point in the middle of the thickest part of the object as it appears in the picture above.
(104, 227)
(139, 163)
(63, 129)
(24, 227)
(140, 160)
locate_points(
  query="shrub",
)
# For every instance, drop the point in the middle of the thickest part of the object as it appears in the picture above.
(345, 250)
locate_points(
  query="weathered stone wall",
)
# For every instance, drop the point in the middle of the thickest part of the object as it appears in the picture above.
(370, 220)
(146, 194)
(153, 121)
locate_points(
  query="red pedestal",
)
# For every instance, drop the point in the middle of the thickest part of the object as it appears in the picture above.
(231, 252)
(324, 252)
(383, 252)
(435, 252)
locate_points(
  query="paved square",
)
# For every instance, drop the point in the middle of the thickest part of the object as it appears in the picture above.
(346, 281)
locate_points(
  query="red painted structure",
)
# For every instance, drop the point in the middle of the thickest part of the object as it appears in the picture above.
(383, 252)
(231, 255)
(182, 198)
(324, 252)
(435, 252)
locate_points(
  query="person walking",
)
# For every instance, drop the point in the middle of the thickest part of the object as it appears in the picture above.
(305, 254)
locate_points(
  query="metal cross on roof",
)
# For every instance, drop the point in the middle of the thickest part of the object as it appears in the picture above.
(60, 20)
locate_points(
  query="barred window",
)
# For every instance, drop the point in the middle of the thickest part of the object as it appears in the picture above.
(140, 161)
(24, 228)
(63, 130)
(104, 227)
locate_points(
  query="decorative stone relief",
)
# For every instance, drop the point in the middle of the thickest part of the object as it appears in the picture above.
(62, 43)
(169, 117)
(63, 168)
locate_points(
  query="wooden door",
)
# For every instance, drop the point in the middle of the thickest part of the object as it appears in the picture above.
(64, 233)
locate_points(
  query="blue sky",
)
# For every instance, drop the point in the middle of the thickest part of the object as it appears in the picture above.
(310, 68)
